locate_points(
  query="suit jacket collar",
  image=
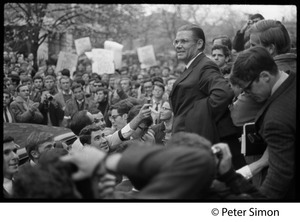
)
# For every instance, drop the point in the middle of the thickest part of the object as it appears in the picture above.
(282, 88)
(187, 72)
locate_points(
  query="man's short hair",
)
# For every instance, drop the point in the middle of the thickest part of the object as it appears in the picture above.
(197, 32)
(257, 15)
(122, 106)
(37, 77)
(250, 63)
(79, 120)
(160, 85)
(65, 72)
(104, 90)
(224, 48)
(6, 92)
(49, 77)
(157, 79)
(76, 85)
(65, 78)
(19, 86)
(86, 132)
(272, 32)
(35, 139)
(225, 41)
(7, 139)
(26, 79)
(191, 140)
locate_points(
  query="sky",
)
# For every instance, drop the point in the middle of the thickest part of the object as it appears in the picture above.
(268, 11)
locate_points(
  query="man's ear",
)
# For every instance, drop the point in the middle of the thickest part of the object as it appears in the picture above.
(35, 154)
(200, 43)
(272, 49)
(265, 75)
(125, 116)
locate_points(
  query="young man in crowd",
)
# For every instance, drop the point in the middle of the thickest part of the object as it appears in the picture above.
(221, 56)
(24, 109)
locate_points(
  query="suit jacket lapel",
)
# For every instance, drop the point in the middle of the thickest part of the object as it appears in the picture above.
(186, 73)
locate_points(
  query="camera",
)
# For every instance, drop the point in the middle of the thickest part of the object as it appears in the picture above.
(217, 151)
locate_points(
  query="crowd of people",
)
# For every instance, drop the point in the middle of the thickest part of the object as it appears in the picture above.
(162, 132)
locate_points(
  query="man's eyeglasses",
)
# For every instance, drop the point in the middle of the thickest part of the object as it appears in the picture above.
(114, 117)
(180, 41)
(247, 88)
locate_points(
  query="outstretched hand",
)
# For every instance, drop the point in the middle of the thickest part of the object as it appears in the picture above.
(86, 160)
(225, 158)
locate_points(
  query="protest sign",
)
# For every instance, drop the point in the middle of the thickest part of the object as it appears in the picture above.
(83, 45)
(66, 60)
(103, 61)
(146, 56)
(117, 50)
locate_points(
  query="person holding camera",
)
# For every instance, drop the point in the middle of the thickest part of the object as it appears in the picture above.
(51, 110)
(241, 39)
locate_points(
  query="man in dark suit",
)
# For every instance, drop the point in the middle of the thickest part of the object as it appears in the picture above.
(257, 74)
(200, 96)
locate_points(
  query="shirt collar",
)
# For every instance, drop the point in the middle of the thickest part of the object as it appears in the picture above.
(282, 78)
(190, 62)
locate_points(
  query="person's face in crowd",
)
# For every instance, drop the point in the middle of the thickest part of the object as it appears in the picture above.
(24, 67)
(166, 112)
(112, 82)
(187, 46)
(48, 145)
(259, 90)
(80, 67)
(105, 78)
(20, 59)
(6, 99)
(30, 57)
(78, 93)
(140, 79)
(38, 83)
(65, 84)
(23, 75)
(157, 92)
(117, 120)
(85, 78)
(24, 92)
(148, 86)
(165, 73)
(101, 97)
(170, 84)
(140, 131)
(98, 119)
(29, 84)
(5, 55)
(97, 85)
(10, 159)
(99, 141)
(50, 70)
(219, 57)
(49, 83)
(11, 54)
(89, 69)
(125, 85)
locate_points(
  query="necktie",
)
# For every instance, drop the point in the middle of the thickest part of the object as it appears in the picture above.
(156, 108)
(6, 117)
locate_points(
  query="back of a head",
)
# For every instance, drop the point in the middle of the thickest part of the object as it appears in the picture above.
(248, 65)
(272, 32)
(257, 15)
(191, 140)
(79, 121)
(65, 72)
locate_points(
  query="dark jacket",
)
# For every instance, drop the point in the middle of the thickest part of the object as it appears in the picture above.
(200, 99)
(276, 123)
